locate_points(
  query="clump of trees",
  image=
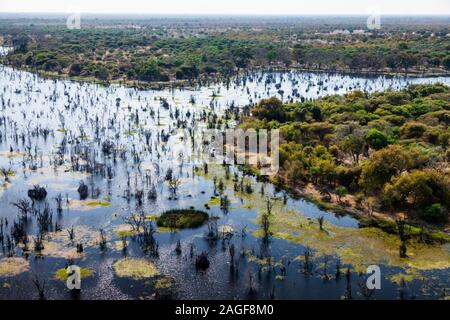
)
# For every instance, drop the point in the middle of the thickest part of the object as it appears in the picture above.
(389, 147)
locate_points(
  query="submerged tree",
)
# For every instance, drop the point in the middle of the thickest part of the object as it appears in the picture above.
(401, 225)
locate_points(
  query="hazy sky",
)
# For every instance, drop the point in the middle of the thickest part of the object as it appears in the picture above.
(296, 7)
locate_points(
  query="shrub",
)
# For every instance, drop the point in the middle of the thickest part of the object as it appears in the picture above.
(434, 213)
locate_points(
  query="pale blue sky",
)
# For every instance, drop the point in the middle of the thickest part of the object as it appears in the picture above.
(294, 7)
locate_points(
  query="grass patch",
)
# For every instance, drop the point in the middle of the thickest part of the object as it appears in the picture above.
(135, 268)
(10, 267)
(164, 283)
(411, 230)
(95, 203)
(61, 274)
(214, 201)
(126, 233)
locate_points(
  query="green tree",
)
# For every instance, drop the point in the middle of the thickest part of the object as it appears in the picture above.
(446, 62)
(418, 189)
(376, 139)
(270, 109)
(383, 165)
(75, 69)
(354, 146)
(341, 192)
(434, 213)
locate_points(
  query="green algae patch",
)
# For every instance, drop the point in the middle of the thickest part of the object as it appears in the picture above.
(182, 219)
(167, 229)
(125, 230)
(87, 205)
(410, 230)
(135, 268)
(61, 274)
(124, 233)
(10, 267)
(408, 275)
(96, 203)
(164, 282)
(214, 201)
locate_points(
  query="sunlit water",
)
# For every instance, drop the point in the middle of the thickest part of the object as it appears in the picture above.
(55, 120)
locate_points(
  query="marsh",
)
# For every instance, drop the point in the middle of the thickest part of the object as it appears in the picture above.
(116, 144)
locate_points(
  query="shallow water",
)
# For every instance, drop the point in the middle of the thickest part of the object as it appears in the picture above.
(50, 123)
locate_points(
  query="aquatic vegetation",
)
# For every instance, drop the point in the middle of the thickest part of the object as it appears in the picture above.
(182, 218)
(164, 282)
(356, 247)
(214, 201)
(125, 230)
(87, 205)
(98, 203)
(167, 229)
(61, 274)
(10, 267)
(408, 275)
(135, 268)
(58, 250)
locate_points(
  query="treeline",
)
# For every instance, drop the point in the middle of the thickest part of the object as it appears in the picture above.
(389, 150)
(132, 55)
(378, 55)
(140, 55)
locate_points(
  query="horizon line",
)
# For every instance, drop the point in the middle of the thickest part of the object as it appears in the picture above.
(234, 14)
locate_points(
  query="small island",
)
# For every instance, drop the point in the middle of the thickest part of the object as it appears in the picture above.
(182, 219)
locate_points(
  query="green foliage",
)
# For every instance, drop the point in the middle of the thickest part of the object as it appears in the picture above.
(198, 51)
(270, 109)
(383, 165)
(419, 189)
(399, 158)
(376, 139)
(434, 213)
